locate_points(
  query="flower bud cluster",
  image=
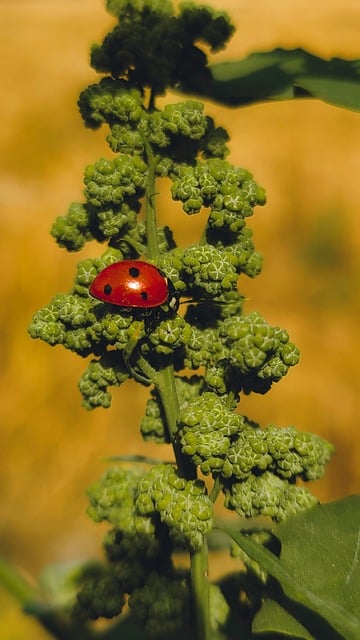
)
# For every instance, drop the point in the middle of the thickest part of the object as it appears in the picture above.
(110, 101)
(114, 187)
(113, 498)
(153, 424)
(72, 230)
(167, 335)
(81, 325)
(240, 352)
(182, 505)
(207, 427)
(100, 374)
(285, 452)
(267, 495)
(108, 183)
(158, 49)
(135, 547)
(162, 606)
(231, 193)
(101, 596)
(131, 556)
(225, 443)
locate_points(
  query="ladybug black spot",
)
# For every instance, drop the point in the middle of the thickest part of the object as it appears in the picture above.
(144, 295)
(107, 289)
(134, 272)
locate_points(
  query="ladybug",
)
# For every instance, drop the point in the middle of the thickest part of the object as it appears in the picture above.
(134, 285)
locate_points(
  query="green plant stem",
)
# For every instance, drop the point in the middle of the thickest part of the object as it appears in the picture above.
(200, 591)
(198, 559)
(165, 384)
(164, 381)
(215, 490)
(150, 211)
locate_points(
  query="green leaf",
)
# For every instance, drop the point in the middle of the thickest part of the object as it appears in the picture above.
(318, 569)
(15, 583)
(284, 74)
(272, 616)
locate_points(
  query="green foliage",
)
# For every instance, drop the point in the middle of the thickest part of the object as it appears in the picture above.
(318, 573)
(284, 74)
(198, 363)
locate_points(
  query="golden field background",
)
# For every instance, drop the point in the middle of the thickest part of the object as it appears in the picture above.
(306, 154)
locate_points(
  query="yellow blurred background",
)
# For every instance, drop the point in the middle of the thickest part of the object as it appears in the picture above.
(307, 156)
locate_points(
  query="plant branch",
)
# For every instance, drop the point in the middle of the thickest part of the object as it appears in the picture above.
(200, 591)
(150, 210)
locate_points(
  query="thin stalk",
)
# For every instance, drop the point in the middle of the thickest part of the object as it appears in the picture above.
(164, 381)
(198, 559)
(200, 591)
(203, 239)
(165, 385)
(150, 210)
(215, 490)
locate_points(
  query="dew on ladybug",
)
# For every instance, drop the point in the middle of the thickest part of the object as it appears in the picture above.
(134, 284)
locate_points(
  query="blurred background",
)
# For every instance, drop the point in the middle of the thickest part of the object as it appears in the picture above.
(307, 156)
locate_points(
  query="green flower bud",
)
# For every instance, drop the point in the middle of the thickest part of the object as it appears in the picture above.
(185, 118)
(171, 264)
(248, 454)
(168, 335)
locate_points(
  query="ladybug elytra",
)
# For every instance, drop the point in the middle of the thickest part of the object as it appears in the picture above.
(134, 284)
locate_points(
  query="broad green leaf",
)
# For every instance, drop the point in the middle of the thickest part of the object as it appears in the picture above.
(273, 617)
(319, 565)
(284, 74)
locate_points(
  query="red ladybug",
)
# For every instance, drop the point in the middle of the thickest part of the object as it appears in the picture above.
(134, 284)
